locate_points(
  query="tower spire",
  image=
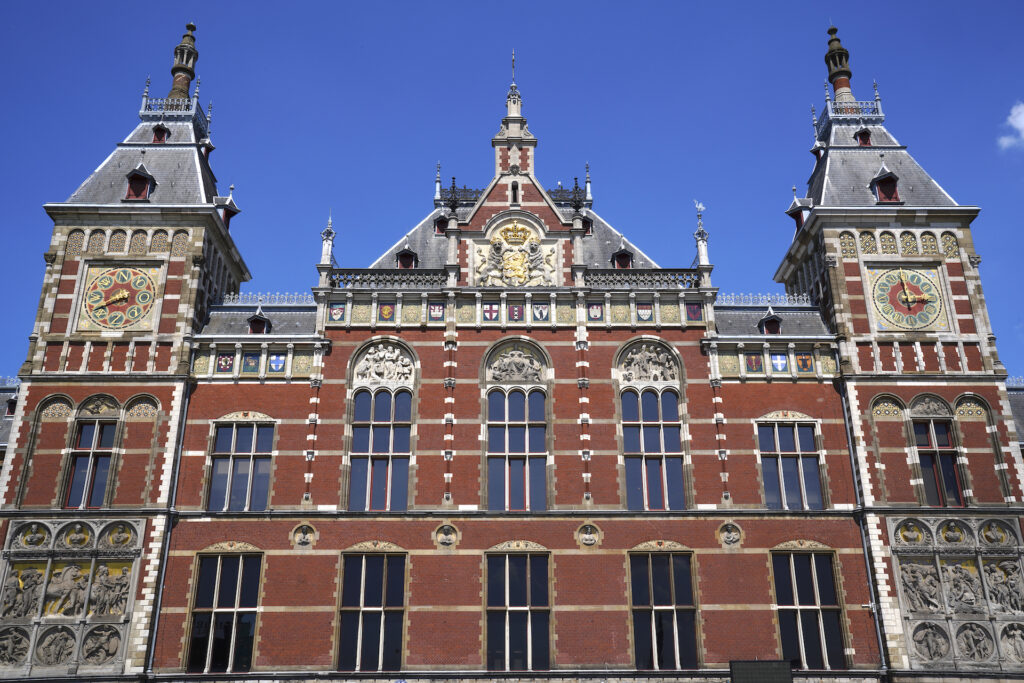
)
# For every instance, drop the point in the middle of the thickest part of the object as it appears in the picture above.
(183, 70)
(838, 61)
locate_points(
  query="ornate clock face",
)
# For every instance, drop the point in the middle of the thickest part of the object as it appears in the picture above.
(118, 298)
(907, 299)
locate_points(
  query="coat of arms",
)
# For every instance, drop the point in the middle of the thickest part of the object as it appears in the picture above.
(515, 258)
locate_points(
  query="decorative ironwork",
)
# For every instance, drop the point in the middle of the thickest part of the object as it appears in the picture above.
(771, 299)
(363, 278)
(268, 298)
(865, 112)
(662, 278)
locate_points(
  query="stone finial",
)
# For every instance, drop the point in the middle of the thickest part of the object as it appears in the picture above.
(183, 70)
(453, 197)
(589, 196)
(838, 61)
(577, 196)
(437, 183)
(327, 246)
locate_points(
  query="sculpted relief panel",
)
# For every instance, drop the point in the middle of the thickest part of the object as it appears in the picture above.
(515, 257)
(648, 362)
(65, 599)
(961, 591)
(516, 364)
(384, 363)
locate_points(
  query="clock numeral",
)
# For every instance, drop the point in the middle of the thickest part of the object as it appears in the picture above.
(99, 313)
(116, 319)
(105, 282)
(94, 297)
(123, 276)
(143, 297)
(140, 282)
(134, 312)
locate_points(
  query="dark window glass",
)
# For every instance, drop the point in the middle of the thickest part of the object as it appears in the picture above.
(664, 626)
(630, 407)
(264, 438)
(537, 412)
(803, 625)
(382, 407)
(224, 613)
(634, 484)
(517, 616)
(766, 438)
(361, 413)
(381, 426)
(357, 490)
(403, 406)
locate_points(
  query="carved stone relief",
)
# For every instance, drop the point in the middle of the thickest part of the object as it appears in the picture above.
(730, 535)
(446, 536)
(963, 587)
(375, 546)
(588, 536)
(516, 363)
(304, 537)
(648, 362)
(56, 646)
(384, 363)
(101, 645)
(974, 642)
(13, 646)
(929, 406)
(99, 405)
(31, 537)
(921, 587)
(659, 545)
(515, 257)
(517, 545)
(930, 641)
(1012, 641)
(912, 532)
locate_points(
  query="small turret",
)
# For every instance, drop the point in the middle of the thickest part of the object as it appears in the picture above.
(838, 61)
(183, 70)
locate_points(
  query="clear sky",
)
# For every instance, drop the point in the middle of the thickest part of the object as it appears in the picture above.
(348, 107)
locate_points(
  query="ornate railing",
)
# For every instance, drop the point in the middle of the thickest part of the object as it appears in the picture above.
(772, 299)
(9, 382)
(465, 194)
(268, 298)
(366, 278)
(1015, 382)
(561, 195)
(850, 110)
(169, 104)
(660, 278)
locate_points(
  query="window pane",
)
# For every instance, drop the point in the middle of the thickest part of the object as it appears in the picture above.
(222, 442)
(766, 438)
(655, 500)
(381, 439)
(812, 484)
(787, 442)
(227, 593)
(221, 641)
(106, 439)
(516, 484)
(392, 659)
(639, 584)
(683, 582)
(538, 484)
(538, 440)
(665, 637)
(791, 482)
(812, 639)
(630, 407)
(400, 444)
(931, 487)
(634, 484)
(369, 653)
(357, 484)
(399, 483)
(826, 581)
(631, 439)
(516, 406)
(539, 633)
(652, 439)
(86, 433)
(361, 411)
(403, 406)
(496, 407)
(517, 439)
(517, 580)
(949, 480)
(943, 435)
(669, 407)
(661, 579)
(496, 584)
(264, 438)
(672, 444)
(517, 641)
(379, 484)
(537, 412)
(239, 483)
(921, 436)
(783, 582)
(382, 406)
(395, 592)
(260, 484)
(245, 629)
(806, 433)
(833, 639)
(243, 438)
(496, 439)
(496, 641)
(349, 641)
(200, 639)
(352, 581)
(206, 583)
(361, 440)
(250, 591)
(649, 403)
(373, 584)
(772, 492)
(790, 638)
(642, 639)
(804, 581)
(79, 472)
(496, 483)
(538, 580)
(686, 623)
(674, 483)
(101, 467)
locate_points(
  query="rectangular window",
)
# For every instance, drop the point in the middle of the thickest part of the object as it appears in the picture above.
(652, 448)
(809, 614)
(381, 435)
(790, 466)
(664, 615)
(240, 467)
(372, 611)
(516, 450)
(518, 613)
(937, 452)
(90, 464)
(224, 613)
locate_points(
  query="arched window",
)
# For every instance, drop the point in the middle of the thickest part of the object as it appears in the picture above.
(90, 463)
(381, 429)
(516, 450)
(789, 466)
(240, 467)
(652, 448)
(937, 452)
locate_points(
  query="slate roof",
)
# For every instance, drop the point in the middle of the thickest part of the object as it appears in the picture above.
(742, 321)
(285, 321)
(1017, 407)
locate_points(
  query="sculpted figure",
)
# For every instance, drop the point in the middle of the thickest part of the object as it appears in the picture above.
(34, 536)
(31, 588)
(1013, 642)
(931, 642)
(921, 587)
(13, 646)
(56, 647)
(964, 589)
(100, 646)
(974, 642)
(11, 599)
(66, 592)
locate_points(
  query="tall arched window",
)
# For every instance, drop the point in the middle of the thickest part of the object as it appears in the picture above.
(516, 450)
(937, 452)
(92, 452)
(381, 427)
(652, 448)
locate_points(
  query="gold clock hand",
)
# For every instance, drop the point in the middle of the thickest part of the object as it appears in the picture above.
(120, 295)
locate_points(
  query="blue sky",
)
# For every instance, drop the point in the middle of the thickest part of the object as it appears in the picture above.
(348, 106)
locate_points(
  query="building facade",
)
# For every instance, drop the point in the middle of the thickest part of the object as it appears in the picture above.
(513, 446)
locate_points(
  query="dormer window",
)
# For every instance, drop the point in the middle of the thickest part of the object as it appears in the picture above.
(798, 218)
(886, 189)
(622, 259)
(259, 324)
(140, 184)
(406, 259)
(863, 137)
(160, 134)
(440, 225)
(588, 226)
(770, 323)
(12, 403)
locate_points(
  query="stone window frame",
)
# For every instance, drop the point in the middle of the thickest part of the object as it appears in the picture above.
(674, 606)
(797, 420)
(370, 455)
(98, 408)
(234, 422)
(361, 609)
(235, 610)
(541, 612)
(813, 550)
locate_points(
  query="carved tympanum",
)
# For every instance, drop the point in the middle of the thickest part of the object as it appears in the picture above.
(974, 642)
(384, 363)
(931, 641)
(99, 405)
(649, 363)
(516, 364)
(929, 406)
